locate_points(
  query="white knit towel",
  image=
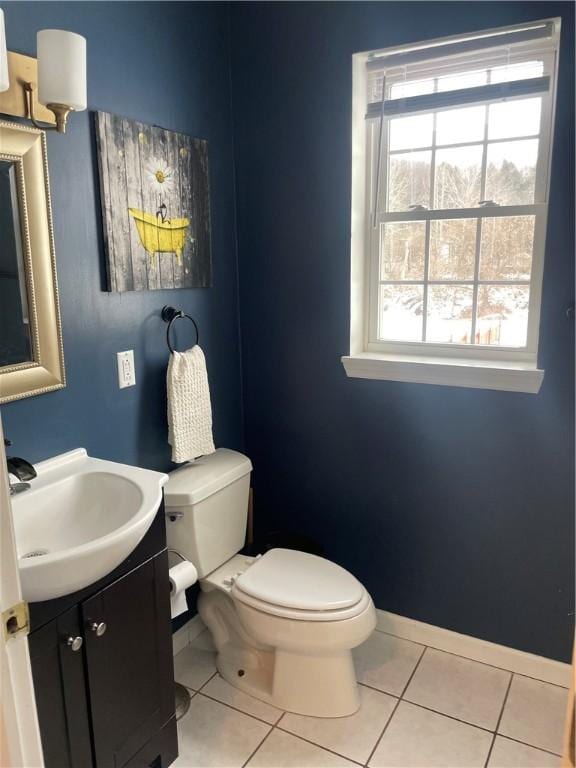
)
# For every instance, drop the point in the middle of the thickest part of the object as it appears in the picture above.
(189, 408)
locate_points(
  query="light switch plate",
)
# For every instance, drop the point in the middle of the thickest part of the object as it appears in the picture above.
(126, 372)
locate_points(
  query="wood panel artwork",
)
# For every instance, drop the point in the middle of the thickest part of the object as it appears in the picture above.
(155, 198)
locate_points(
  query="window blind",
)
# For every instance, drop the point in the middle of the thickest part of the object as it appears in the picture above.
(447, 99)
(497, 39)
(464, 54)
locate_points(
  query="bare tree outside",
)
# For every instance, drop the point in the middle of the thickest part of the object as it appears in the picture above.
(506, 242)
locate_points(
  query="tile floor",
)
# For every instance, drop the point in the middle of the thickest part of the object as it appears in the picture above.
(421, 708)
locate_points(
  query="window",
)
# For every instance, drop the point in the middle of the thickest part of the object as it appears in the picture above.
(451, 157)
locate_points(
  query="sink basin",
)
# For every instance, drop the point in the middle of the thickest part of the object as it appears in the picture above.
(80, 519)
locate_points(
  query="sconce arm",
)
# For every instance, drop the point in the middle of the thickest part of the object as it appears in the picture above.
(61, 112)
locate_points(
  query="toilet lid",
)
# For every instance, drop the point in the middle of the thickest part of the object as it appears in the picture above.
(299, 580)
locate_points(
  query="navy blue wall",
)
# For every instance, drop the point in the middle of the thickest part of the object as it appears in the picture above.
(165, 64)
(453, 506)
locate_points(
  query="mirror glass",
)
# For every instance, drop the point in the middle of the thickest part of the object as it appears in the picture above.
(15, 337)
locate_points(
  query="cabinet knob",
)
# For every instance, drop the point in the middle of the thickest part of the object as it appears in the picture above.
(75, 643)
(99, 627)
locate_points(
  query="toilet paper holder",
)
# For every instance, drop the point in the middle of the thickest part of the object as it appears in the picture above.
(175, 552)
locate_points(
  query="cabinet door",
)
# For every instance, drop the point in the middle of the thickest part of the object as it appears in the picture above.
(60, 691)
(129, 662)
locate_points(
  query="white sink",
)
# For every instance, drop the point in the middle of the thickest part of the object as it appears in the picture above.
(80, 519)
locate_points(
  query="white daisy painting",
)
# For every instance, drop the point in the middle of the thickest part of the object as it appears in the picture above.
(155, 199)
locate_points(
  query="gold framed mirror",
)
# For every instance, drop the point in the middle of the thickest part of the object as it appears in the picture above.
(31, 353)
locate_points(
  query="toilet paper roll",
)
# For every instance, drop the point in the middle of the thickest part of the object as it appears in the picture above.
(181, 577)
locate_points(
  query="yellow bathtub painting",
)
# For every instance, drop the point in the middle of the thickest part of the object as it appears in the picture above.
(155, 197)
(159, 236)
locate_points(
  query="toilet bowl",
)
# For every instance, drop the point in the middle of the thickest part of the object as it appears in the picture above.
(284, 623)
(284, 626)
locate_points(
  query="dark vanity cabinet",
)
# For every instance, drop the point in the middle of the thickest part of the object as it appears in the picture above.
(103, 670)
(61, 700)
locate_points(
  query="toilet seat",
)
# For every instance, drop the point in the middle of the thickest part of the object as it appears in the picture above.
(301, 586)
(293, 613)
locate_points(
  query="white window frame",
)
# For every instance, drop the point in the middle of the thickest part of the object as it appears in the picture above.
(473, 365)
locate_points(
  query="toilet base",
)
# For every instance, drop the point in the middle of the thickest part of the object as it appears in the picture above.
(314, 684)
(300, 684)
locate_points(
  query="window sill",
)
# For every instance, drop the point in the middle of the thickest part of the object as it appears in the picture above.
(452, 372)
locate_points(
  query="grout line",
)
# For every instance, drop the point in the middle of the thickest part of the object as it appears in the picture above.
(276, 725)
(537, 680)
(379, 739)
(251, 755)
(504, 702)
(237, 709)
(485, 663)
(459, 720)
(424, 649)
(207, 681)
(379, 690)
(190, 690)
(396, 706)
(315, 743)
(413, 673)
(524, 744)
(271, 726)
(450, 717)
(488, 756)
(242, 711)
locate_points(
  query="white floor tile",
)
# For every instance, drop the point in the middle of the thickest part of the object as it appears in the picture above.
(535, 713)
(386, 662)
(212, 735)
(459, 687)
(511, 754)
(353, 737)
(282, 750)
(417, 737)
(196, 663)
(219, 689)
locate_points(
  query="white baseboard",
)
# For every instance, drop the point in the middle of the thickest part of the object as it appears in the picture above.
(187, 634)
(521, 662)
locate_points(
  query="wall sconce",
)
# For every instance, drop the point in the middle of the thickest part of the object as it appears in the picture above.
(4, 81)
(48, 89)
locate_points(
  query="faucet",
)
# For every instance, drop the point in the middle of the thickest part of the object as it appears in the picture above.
(21, 469)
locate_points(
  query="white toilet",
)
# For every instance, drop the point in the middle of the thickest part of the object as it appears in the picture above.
(283, 623)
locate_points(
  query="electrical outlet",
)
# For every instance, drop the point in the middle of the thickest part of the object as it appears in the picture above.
(126, 372)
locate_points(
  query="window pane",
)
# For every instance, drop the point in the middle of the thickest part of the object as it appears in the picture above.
(502, 315)
(506, 246)
(511, 172)
(402, 248)
(519, 117)
(455, 126)
(409, 180)
(411, 132)
(457, 182)
(522, 71)
(462, 80)
(401, 312)
(449, 314)
(452, 249)
(414, 88)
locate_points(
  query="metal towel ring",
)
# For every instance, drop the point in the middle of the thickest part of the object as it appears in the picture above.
(169, 314)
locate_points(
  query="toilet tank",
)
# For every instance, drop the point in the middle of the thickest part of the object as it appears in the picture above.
(207, 508)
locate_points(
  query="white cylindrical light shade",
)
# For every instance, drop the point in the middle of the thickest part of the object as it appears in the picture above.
(61, 68)
(4, 80)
